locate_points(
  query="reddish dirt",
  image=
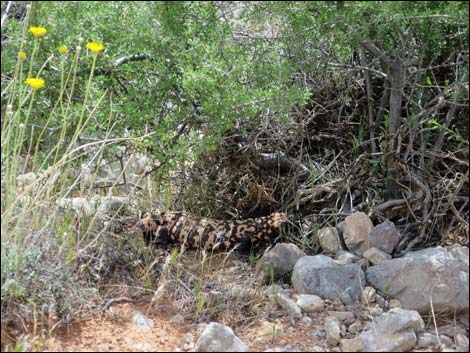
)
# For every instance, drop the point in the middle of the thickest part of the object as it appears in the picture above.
(114, 332)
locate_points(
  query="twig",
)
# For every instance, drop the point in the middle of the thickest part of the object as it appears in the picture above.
(117, 300)
(6, 12)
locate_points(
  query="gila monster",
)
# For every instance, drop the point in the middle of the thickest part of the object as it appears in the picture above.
(169, 227)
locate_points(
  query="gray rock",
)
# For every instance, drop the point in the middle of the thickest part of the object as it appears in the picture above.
(219, 338)
(459, 253)
(450, 330)
(310, 303)
(109, 205)
(329, 240)
(333, 331)
(380, 301)
(375, 310)
(426, 340)
(79, 205)
(320, 275)
(344, 257)
(376, 256)
(274, 289)
(368, 295)
(352, 345)
(188, 339)
(384, 237)
(177, 319)
(355, 327)
(400, 342)
(357, 228)
(396, 320)
(345, 317)
(417, 275)
(288, 305)
(461, 342)
(277, 262)
(140, 322)
(320, 334)
(394, 331)
(24, 181)
(445, 340)
(394, 303)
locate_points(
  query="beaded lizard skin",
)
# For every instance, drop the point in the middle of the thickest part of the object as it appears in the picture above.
(170, 227)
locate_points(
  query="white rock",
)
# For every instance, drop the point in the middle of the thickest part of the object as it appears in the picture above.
(333, 330)
(288, 305)
(461, 342)
(376, 256)
(140, 322)
(310, 303)
(368, 295)
(219, 338)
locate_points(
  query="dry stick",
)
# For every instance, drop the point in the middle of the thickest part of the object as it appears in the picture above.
(451, 203)
(434, 316)
(426, 214)
(6, 12)
(449, 117)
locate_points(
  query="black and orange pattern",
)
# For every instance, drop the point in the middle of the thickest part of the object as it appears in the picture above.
(170, 227)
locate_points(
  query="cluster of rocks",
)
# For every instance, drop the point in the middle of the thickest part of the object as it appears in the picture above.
(125, 174)
(393, 294)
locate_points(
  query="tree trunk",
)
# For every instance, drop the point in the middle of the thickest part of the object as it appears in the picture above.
(397, 81)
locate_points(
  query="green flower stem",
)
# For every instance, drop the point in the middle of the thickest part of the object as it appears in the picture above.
(85, 100)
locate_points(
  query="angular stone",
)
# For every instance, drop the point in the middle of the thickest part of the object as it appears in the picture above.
(140, 322)
(355, 327)
(344, 257)
(376, 256)
(461, 342)
(345, 317)
(384, 237)
(399, 342)
(356, 232)
(394, 331)
(368, 295)
(219, 338)
(394, 303)
(329, 240)
(352, 345)
(426, 340)
(310, 303)
(320, 275)
(459, 253)
(277, 262)
(446, 341)
(397, 319)
(288, 305)
(333, 331)
(413, 278)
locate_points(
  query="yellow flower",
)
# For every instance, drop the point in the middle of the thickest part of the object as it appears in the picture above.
(63, 49)
(35, 83)
(95, 47)
(21, 55)
(38, 31)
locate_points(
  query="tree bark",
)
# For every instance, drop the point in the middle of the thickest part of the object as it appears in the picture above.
(370, 102)
(397, 82)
